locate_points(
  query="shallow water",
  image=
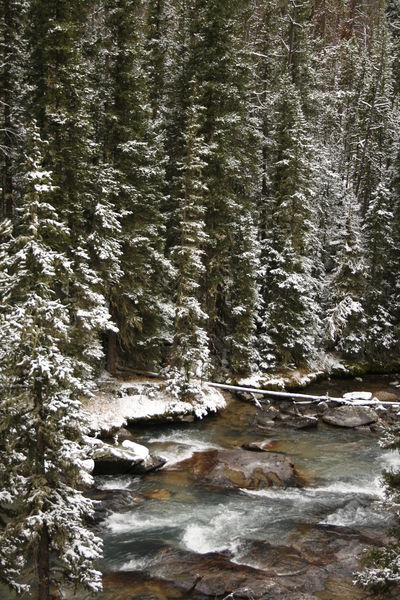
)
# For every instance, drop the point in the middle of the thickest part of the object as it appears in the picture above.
(341, 468)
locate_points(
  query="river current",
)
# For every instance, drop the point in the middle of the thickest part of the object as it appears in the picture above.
(173, 512)
(342, 469)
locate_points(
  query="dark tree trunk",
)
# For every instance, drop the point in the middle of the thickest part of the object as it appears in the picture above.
(112, 352)
(43, 558)
(43, 565)
(7, 186)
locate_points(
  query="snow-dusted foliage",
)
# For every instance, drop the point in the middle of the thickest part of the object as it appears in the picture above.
(190, 353)
(132, 154)
(42, 423)
(289, 319)
(345, 319)
(379, 298)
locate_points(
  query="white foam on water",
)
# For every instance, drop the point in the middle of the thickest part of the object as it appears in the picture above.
(137, 522)
(138, 563)
(116, 483)
(182, 437)
(361, 516)
(390, 459)
(304, 495)
(372, 489)
(216, 535)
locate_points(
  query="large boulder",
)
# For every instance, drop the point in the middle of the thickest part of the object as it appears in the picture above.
(350, 416)
(239, 468)
(127, 459)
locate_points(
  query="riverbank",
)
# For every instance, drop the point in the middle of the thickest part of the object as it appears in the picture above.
(123, 401)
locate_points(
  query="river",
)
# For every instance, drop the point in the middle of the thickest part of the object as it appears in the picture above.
(342, 469)
(176, 537)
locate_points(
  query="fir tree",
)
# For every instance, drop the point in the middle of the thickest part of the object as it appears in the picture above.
(12, 90)
(289, 320)
(345, 320)
(55, 73)
(138, 303)
(379, 297)
(42, 424)
(224, 75)
(190, 354)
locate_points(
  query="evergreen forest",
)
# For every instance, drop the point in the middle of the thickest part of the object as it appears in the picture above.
(207, 189)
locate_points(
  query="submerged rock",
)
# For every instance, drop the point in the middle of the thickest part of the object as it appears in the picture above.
(261, 572)
(298, 421)
(262, 446)
(350, 416)
(239, 468)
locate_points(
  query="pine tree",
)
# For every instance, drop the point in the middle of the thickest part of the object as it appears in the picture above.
(42, 424)
(12, 90)
(379, 297)
(131, 151)
(56, 75)
(345, 320)
(289, 289)
(157, 23)
(223, 71)
(190, 354)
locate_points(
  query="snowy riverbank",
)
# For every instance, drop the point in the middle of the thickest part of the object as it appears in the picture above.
(120, 402)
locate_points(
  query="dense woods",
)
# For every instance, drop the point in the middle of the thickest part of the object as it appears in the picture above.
(207, 187)
(225, 173)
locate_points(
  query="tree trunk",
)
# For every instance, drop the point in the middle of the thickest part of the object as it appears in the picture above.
(7, 186)
(42, 560)
(112, 352)
(43, 565)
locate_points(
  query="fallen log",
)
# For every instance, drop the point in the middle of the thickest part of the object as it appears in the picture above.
(275, 394)
(304, 398)
(301, 398)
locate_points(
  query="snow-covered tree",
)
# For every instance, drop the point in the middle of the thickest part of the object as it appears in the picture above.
(379, 297)
(139, 302)
(12, 94)
(289, 318)
(345, 320)
(224, 75)
(190, 353)
(42, 425)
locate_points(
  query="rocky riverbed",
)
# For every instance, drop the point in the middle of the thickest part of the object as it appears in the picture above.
(257, 503)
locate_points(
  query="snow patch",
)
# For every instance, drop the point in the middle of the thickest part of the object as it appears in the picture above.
(118, 403)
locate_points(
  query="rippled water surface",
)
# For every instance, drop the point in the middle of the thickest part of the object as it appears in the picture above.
(341, 469)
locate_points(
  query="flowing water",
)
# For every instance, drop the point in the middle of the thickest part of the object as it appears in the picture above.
(341, 468)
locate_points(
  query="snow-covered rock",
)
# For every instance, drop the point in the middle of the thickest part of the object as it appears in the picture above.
(137, 449)
(119, 403)
(127, 458)
(357, 396)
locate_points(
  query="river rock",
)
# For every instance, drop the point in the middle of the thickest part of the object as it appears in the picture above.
(239, 468)
(128, 459)
(387, 396)
(112, 501)
(262, 446)
(321, 407)
(298, 421)
(350, 416)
